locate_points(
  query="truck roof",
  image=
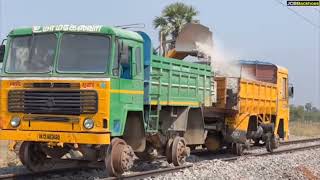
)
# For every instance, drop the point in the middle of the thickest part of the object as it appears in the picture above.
(254, 62)
(257, 62)
(77, 28)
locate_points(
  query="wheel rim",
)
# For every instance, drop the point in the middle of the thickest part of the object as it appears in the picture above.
(119, 157)
(179, 151)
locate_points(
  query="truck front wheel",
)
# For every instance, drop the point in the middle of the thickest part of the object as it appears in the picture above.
(119, 157)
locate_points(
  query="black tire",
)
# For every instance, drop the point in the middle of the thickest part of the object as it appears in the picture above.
(169, 151)
(237, 149)
(269, 146)
(33, 158)
(272, 143)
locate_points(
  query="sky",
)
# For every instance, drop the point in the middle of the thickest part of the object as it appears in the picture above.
(254, 30)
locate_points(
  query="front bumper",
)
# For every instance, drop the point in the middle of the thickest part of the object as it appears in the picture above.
(59, 137)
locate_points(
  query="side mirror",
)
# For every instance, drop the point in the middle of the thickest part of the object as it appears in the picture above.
(291, 91)
(2, 51)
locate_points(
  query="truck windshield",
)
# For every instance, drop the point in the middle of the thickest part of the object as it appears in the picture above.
(84, 53)
(32, 54)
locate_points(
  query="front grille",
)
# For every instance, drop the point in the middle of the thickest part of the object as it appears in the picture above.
(53, 102)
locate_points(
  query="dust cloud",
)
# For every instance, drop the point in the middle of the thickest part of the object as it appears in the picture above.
(222, 62)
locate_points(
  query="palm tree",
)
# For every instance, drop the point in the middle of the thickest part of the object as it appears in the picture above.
(171, 21)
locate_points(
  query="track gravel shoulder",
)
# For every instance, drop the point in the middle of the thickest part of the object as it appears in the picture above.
(296, 165)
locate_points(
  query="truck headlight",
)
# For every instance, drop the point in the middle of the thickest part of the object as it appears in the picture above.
(15, 121)
(88, 123)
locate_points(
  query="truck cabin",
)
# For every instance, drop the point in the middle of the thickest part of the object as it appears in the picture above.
(65, 49)
(69, 58)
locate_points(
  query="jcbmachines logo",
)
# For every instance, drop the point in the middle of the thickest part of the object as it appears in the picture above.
(303, 3)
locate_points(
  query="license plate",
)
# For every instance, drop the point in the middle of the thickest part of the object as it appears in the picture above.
(52, 137)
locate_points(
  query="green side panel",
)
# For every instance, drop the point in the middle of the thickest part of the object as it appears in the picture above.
(181, 83)
(121, 103)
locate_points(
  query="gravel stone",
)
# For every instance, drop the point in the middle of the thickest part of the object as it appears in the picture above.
(296, 165)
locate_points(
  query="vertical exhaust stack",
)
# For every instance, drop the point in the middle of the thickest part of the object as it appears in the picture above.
(194, 40)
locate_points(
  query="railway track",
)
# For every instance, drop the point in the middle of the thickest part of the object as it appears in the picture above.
(156, 172)
(300, 141)
(174, 169)
(150, 173)
(276, 152)
(29, 175)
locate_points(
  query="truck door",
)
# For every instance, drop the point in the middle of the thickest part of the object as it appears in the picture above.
(131, 75)
(283, 105)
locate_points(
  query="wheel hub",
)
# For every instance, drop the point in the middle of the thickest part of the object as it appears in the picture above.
(119, 157)
(180, 151)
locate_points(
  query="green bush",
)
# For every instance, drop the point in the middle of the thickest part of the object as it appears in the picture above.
(305, 113)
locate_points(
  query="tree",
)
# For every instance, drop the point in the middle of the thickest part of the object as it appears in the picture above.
(308, 107)
(314, 109)
(171, 21)
(300, 112)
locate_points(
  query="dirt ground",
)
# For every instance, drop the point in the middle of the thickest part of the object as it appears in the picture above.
(3, 153)
(7, 158)
(308, 129)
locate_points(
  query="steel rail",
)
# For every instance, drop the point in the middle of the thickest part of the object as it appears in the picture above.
(152, 173)
(287, 150)
(300, 141)
(28, 174)
(286, 143)
(68, 166)
(276, 152)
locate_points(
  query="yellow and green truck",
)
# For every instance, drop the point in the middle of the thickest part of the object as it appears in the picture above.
(101, 91)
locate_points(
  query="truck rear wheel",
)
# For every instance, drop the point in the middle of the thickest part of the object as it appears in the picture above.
(237, 149)
(169, 150)
(180, 151)
(272, 143)
(213, 143)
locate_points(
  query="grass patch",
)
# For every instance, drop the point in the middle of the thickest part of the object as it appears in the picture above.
(299, 128)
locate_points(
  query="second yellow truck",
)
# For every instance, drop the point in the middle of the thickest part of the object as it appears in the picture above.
(250, 108)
